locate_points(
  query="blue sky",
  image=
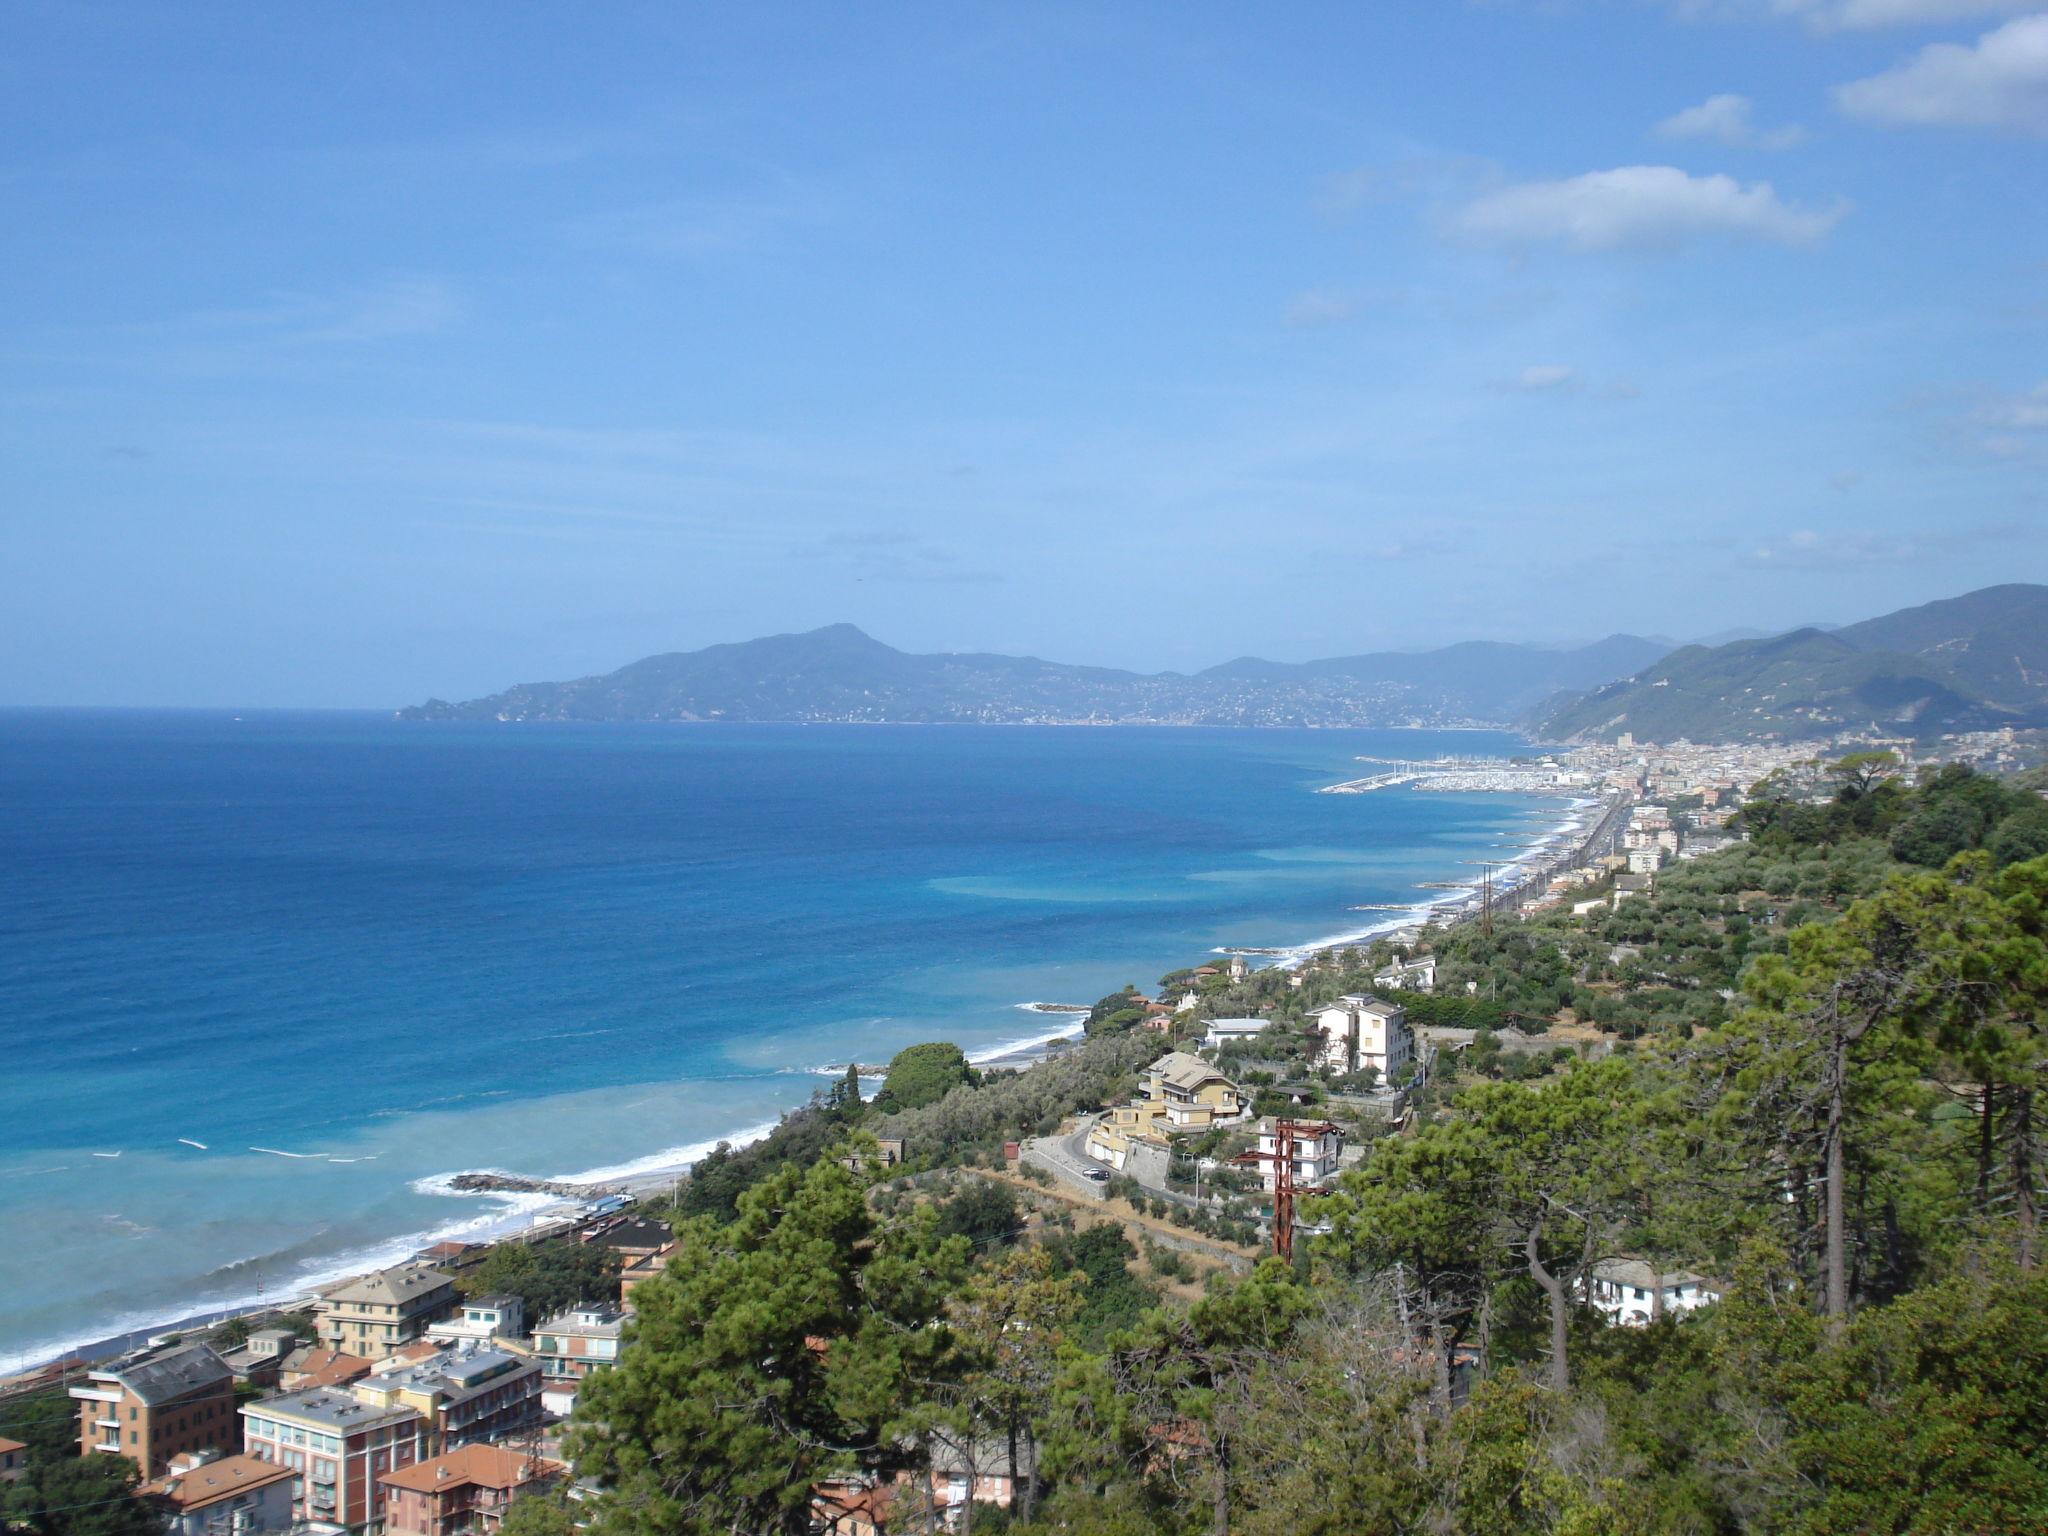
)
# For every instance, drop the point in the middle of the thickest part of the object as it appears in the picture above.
(352, 354)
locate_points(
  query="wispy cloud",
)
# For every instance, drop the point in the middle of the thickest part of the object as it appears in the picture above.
(406, 307)
(1543, 379)
(1998, 82)
(1870, 15)
(1652, 208)
(1728, 119)
(2012, 426)
(1806, 549)
(1850, 550)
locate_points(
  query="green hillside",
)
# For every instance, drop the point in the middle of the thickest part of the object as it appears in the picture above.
(1975, 662)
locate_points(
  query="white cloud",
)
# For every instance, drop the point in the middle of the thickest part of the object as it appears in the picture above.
(1318, 307)
(1642, 208)
(403, 307)
(2013, 426)
(2000, 81)
(2019, 413)
(1806, 550)
(1868, 15)
(1541, 378)
(1725, 119)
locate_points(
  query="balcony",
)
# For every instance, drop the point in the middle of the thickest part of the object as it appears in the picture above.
(96, 1394)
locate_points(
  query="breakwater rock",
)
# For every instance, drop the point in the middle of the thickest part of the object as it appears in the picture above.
(514, 1184)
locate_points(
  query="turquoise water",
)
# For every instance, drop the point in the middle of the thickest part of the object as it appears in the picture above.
(348, 956)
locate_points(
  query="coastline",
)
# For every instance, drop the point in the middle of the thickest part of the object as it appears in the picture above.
(508, 1212)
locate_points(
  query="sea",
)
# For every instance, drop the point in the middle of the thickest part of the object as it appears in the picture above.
(268, 980)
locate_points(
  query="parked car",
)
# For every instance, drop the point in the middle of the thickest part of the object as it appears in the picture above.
(1098, 1175)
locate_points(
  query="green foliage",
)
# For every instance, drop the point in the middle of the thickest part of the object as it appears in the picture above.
(80, 1496)
(548, 1276)
(921, 1075)
(45, 1422)
(722, 1175)
(982, 1211)
(1102, 1255)
(790, 1343)
(538, 1514)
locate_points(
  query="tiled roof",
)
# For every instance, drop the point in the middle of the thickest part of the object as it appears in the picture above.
(216, 1480)
(483, 1466)
(390, 1287)
(1184, 1071)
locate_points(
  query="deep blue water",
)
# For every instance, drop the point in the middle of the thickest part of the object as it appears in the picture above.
(398, 951)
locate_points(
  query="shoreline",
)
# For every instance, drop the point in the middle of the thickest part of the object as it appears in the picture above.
(513, 1210)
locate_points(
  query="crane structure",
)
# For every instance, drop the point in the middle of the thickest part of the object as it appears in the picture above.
(1285, 1135)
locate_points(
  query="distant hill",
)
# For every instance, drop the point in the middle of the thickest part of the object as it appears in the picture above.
(839, 673)
(1974, 662)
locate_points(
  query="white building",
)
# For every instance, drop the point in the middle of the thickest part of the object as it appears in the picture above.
(481, 1319)
(1630, 1293)
(1233, 1031)
(1645, 861)
(1316, 1157)
(1417, 975)
(1361, 1031)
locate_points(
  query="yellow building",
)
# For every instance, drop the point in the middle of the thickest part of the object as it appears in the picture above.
(1179, 1093)
(372, 1316)
(1184, 1093)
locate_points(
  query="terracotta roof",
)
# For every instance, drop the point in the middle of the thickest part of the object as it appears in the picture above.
(484, 1466)
(325, 1367)
(840, 1502)
(216, 1480)
(7, 1445)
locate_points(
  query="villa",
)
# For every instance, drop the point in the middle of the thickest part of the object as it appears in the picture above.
(1630, 1293)
(1361, 1031)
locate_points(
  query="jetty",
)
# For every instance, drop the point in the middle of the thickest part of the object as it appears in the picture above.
(1369, 784)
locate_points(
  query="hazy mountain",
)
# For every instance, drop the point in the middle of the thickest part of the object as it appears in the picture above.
(1966, 663)
(839, 673)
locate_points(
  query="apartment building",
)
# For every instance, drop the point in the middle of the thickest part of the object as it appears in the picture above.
(1317, 1155)
(339, 1446)
(471, 1393)
(373, 1315)
(160, 1403)
(574, 1343)
(464, 1493)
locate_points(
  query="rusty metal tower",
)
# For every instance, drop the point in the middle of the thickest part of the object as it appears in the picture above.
(1285, 1135)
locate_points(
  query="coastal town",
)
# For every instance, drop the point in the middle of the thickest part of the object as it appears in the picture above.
(431, 1397)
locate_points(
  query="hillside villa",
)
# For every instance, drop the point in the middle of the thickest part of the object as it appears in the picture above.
(1178, 1093)
(1361, 1031)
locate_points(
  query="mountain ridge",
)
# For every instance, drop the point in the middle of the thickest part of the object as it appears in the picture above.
(1978, 661)
(838, 672)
